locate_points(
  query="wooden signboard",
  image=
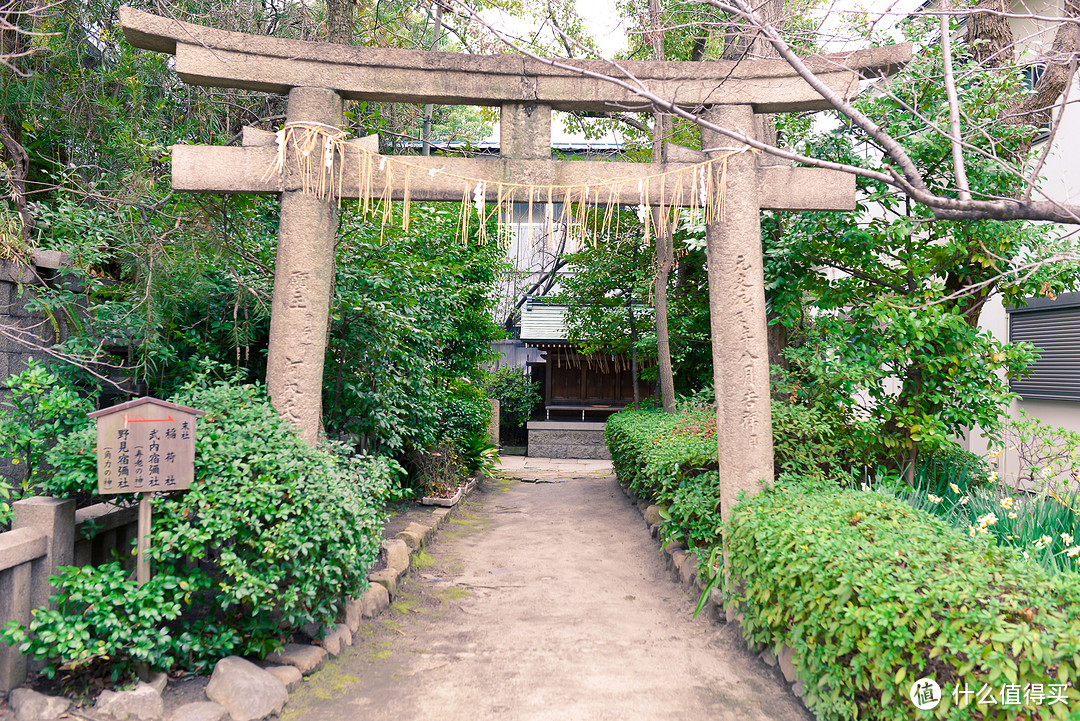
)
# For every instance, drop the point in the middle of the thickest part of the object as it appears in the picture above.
(145, 446)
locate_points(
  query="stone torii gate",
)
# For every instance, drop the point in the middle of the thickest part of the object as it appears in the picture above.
(318, 76)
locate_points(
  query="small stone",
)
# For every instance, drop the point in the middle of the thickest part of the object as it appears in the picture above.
(797, 689)
(332, 643)
(354, 612)
(414, 535)
(642, 504)
(246, 691)
(288, 675)
(397, 554)
(654, 530)
(768, 657)
(732, 613)
(688, 572)
(717, 597)
(159, 682)
(786, 659)
(387, 578)
(677, 558)
(201, 711)
(376, 600)
(345, 633)
(307, 659)
(314, 630)
(652, 515)
(688, 569)
(33, 706)
(142, 703)
(441, 513)
(673, 546)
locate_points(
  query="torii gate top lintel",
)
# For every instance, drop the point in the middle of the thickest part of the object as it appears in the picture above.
(219, 58)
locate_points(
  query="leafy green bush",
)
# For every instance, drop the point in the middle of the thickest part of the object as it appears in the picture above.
(272, 535)
(873, 595)
(104, 623)
(515, 392)
(39, 407)
(666, 458)
(465, 413)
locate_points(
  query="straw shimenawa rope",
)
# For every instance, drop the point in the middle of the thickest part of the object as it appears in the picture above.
(318, 152)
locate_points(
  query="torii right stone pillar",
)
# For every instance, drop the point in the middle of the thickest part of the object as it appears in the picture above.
(303, 277)
(740, 343)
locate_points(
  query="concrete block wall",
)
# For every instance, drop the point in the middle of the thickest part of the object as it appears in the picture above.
(567, 439)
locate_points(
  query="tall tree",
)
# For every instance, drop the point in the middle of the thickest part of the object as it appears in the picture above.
(665, 250)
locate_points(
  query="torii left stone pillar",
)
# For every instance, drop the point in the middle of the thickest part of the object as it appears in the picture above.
(303, 278)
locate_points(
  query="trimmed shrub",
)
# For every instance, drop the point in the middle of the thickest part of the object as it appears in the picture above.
(671, 460)
(872, 595)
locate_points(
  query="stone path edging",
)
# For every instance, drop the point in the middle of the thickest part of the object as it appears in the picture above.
(684, 567)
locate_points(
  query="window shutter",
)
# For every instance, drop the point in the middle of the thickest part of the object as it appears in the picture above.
(1053, 327)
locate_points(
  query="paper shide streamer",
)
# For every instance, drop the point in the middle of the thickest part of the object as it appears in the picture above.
(318, 153)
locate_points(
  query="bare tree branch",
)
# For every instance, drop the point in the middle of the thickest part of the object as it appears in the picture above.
(954, 108)
(902, 174)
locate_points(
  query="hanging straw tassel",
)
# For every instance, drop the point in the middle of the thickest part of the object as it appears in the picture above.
(318, 153)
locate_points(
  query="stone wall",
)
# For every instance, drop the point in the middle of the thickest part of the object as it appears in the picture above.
(22, 328)
(567, 439)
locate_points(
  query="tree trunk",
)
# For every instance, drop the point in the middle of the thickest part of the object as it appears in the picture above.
(1038, 108)
(633, 349)
(665, 252)
(741, 42)
(991, 40)
(339, 21)
(989, 35)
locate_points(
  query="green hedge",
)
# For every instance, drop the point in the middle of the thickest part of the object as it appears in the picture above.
(873, 595)
(671, 460)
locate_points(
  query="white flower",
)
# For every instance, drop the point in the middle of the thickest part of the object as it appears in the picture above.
(1067, 539)
(933, 499)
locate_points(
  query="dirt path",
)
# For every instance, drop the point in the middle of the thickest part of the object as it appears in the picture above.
(543, 601)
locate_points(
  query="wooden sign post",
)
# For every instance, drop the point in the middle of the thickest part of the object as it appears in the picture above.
(145, 446)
